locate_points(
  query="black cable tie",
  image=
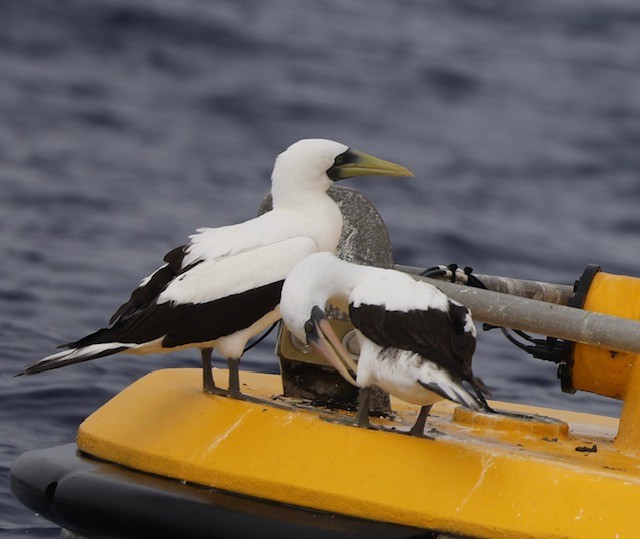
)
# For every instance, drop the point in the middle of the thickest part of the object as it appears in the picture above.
(261, 338)
(488, 327)
(453, 268)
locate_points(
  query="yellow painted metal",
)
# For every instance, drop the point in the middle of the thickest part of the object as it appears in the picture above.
(613, 374)
(480, 476)
(599, 370)
(628, 438)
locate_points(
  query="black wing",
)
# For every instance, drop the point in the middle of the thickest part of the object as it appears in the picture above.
(189, 323)
(432, 333)
(143, 296)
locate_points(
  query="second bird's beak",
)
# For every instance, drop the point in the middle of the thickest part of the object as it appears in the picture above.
(354, 163)
(322, 338)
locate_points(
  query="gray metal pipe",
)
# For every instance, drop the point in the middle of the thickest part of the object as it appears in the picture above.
(543, 318)
(551, 293)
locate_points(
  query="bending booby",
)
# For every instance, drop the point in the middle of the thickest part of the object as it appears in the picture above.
(415, 342)
(223, 287)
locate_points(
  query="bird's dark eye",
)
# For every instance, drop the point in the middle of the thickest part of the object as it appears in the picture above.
(340, 163)
(308, 326)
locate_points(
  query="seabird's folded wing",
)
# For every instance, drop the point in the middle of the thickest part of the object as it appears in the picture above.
(211, 299)
(415, 319)
(208, 244)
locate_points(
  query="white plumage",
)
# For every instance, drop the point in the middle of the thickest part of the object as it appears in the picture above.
(223, 287)
(415, 342)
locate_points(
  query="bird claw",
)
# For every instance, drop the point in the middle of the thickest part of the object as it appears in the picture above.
(418, 435)
(367, 425)
(215, 390)
(247, 398)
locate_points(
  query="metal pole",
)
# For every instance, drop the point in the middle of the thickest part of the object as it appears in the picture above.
(543, 318)
(551, 293)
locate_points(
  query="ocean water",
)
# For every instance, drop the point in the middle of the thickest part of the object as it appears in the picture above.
(126, 124)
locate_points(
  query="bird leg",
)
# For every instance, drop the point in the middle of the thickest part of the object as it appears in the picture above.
(418, 427)
(208, 385)
(362, 418)
(234, 378)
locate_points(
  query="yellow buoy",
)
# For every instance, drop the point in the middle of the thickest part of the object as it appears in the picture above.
(511, 475)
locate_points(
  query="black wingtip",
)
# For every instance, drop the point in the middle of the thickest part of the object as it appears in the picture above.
(479, 385)
(27, 371)
(481, 390)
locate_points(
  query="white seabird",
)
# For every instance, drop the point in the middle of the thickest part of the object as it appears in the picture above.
(415, 342)
(223, 287)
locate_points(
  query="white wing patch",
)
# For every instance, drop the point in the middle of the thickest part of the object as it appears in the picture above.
(214, 279)
(225, 241)
(398, 292)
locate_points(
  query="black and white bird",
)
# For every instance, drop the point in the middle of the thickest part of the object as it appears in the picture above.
(415, 342)
(223, 287)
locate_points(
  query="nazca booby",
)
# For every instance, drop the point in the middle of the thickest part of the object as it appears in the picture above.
(415, 342)
(223, 286)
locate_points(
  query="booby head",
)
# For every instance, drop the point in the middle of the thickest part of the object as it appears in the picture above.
(314, 281)
(313, 165)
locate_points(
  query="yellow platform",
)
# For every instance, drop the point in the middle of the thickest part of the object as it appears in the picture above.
(481, 475)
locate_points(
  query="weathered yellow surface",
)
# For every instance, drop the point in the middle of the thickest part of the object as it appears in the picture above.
(481, 476)
(599, 370)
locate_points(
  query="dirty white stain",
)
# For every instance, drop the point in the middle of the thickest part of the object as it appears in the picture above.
(219, 439)
(487, 464)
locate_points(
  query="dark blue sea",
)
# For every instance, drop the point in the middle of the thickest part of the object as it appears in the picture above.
(126, 124)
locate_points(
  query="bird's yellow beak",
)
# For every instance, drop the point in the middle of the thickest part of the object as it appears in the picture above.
(355, 163)
(322, 338)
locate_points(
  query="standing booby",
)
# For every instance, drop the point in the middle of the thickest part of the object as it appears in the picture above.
(415, 342)
(223, 287)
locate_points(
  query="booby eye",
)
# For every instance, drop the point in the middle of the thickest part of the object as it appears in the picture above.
(340, 159)
(308, 326)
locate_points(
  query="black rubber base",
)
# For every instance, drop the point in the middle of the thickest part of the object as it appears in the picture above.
(99, 499)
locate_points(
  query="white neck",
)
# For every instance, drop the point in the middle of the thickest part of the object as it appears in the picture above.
(317, 279)
(294, 186)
